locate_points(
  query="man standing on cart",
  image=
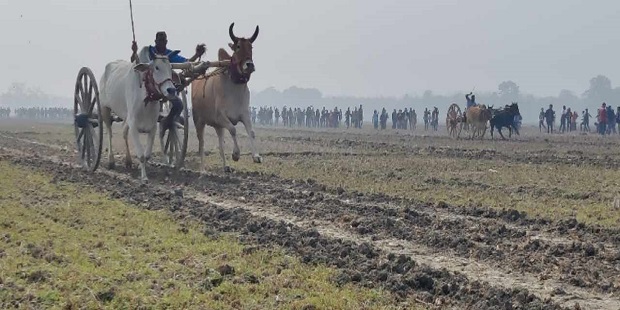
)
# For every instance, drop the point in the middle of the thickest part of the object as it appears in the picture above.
(471, 100)
(160, 48)
(161, 41)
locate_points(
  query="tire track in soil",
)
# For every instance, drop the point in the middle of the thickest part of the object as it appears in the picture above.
(510, 249)
(471, 267)
(575, 158)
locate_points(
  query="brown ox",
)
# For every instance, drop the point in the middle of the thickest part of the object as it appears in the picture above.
(222, 99)
(477, 118)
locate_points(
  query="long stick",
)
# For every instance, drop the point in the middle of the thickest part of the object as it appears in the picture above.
(132, 27)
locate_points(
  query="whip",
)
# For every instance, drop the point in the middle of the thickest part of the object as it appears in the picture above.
(132, 26)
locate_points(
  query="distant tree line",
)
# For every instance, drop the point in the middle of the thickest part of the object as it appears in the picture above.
(600, 90)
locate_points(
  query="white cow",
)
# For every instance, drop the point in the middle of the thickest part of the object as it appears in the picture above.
(123, 90)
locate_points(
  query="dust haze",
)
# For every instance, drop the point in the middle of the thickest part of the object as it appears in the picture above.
(367, 50)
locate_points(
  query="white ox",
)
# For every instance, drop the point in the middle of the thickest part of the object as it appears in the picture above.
(123, 90)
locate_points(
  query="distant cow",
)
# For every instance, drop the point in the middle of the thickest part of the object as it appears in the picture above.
(477, 118)
(222, 99)
(505, 118)
(133, 92)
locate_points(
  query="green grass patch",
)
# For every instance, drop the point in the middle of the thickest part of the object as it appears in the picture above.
(64, 246)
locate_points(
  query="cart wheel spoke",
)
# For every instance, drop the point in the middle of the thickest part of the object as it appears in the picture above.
(88, 123)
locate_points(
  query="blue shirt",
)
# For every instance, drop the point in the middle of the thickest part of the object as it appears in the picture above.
(175, 59)
(470, 101)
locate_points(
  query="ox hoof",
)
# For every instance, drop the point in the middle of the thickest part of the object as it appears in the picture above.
(258, 159)
(111, 165)
(235, 156)
(227, 169)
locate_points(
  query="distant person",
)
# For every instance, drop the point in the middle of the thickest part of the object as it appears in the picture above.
(618, 119)
(383, 119)
(394, 119)
(574, 122)
(471, 100)
(375, 120)
(360, 119)
(541, 120)
(586, 121)
(347, 117)
(611, 121)
(517, 121)
(550, 118)
(602, 119)
(563, 120)
(435, 119)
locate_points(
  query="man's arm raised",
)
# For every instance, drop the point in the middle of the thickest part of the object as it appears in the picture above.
(200, 50)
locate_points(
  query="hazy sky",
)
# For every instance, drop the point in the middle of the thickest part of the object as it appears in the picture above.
(342, 47)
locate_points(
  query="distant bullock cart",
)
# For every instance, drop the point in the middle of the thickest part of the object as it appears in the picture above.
(477, 118)
(454, 120)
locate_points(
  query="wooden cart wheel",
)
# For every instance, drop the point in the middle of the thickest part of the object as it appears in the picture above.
(174, 140)
(454, 120)
(88, 124)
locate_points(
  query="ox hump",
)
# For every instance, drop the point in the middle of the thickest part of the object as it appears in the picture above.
(222, 54)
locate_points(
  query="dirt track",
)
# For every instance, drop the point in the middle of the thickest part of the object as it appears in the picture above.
(444, 255)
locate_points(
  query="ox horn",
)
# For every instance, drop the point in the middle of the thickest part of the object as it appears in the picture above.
(231, 34)
(254, 35)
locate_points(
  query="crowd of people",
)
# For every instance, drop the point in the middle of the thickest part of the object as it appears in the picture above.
(5, 112)
(311, 117)
(406, 119)
(308, 117)
(44, 113)
(607, 120)
(36, 113)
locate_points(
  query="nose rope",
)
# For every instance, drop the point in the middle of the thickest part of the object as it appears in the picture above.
(162, 83)
(235, 75)
(153, 91)
(233, 72)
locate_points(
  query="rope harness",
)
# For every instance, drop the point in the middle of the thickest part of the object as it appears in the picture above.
(153, 92)
(233, 74)
(236, 76)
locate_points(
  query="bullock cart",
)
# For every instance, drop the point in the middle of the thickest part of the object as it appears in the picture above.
(454, 120)
(88, 122)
